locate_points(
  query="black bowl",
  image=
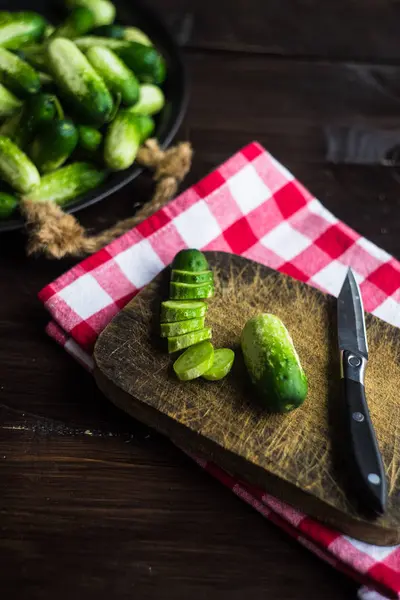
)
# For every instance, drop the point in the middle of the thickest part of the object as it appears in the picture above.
(129, 12)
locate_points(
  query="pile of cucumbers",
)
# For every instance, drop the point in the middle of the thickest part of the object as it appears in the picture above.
(183, 320)
(77, 100)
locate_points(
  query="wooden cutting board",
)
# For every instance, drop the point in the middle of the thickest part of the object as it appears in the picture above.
(293, 456)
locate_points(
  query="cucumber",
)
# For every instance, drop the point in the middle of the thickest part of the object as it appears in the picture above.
(16, 169)
(223, 362)
(133, 34)
(189, 291)
(194, 362)
(86, 42)
(110, 31)
(181, 327)
(36, 111)
(49, 30)
(79, 81)
(8, 205)
(146, 62)
(180, 342)
(9, 104)
(67, 183)
(273, 363)
(20, 28)
(116, 75)
(151, 100)
(121, 142)
(17, 74)
(53, 145)
(89, 138)
(190, 260)
(79, 21)
(35, 56)
(146, 126)
(190, 277)
(175, 310)
(103, 10)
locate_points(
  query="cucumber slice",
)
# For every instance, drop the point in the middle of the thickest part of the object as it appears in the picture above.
(174, 310)
(194, 361)
(181, 327)
(179, 342)
(223, 361)
(190, 260)
(188, 277)
(188, 291)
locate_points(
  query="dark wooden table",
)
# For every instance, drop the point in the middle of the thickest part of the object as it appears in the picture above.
(94, 505)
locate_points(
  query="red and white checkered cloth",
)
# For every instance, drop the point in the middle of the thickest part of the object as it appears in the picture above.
(252, 206)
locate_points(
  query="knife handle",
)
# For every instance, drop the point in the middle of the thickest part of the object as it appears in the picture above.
(368, 474)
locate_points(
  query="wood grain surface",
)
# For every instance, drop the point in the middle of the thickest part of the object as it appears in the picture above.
(88, 515)
(293, 455)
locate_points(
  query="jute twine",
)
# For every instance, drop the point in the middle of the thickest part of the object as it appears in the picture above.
(56, 234)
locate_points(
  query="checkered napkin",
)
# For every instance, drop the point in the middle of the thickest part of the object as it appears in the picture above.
(252, 206)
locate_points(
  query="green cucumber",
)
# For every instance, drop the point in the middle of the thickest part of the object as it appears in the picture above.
(49, 30)
(133, 34)
(194, 362)
(121, 142)
(16, 168)
(35, 56)
(9, 104)
(273, 363)
(146, 126)
(181, 327)
(89, 138)
(103, 10)
(86, 42)
(190, 291)
(20, 28)
(192, 277)
(78, 80)
(53, 145)
(8, 205)
(146, 62)
(67, 183)
(180, 342)
(116, 75)
(36, 111)
(223, 362)
(79, 21)
(151, 100)
(175, 310)
(190, 260)
(17, 74)
(115, 32)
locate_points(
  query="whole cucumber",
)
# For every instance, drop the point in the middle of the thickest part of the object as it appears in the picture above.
(20, 28)
(146, 126)
(77, 79)
(146, 62)
(18, 75)
(273, 363)
(86, 42)
(133, 34)
(89, 138)
(151, 100)
(8, 205)
(121, 142)
(103, 10)
(9, 104)
(67, 183)
(116, 75)
(53, 145)
(79, 21)
(16, 168)
(36, 110)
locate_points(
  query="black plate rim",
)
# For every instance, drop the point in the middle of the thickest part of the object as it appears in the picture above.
(131, 174)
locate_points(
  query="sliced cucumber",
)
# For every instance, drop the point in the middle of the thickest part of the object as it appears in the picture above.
(194, 361)
(174, 310)
(179, 342)
(190, 291)
(181, 327)
(191, 260)
(223, 361)
(151, 100)
(190, 277)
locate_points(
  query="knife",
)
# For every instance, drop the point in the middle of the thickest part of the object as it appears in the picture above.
(361, 448)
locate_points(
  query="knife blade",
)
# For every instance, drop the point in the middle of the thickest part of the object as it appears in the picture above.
(361, 448)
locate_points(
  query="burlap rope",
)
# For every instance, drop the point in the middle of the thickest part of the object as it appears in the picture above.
(56, 234)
